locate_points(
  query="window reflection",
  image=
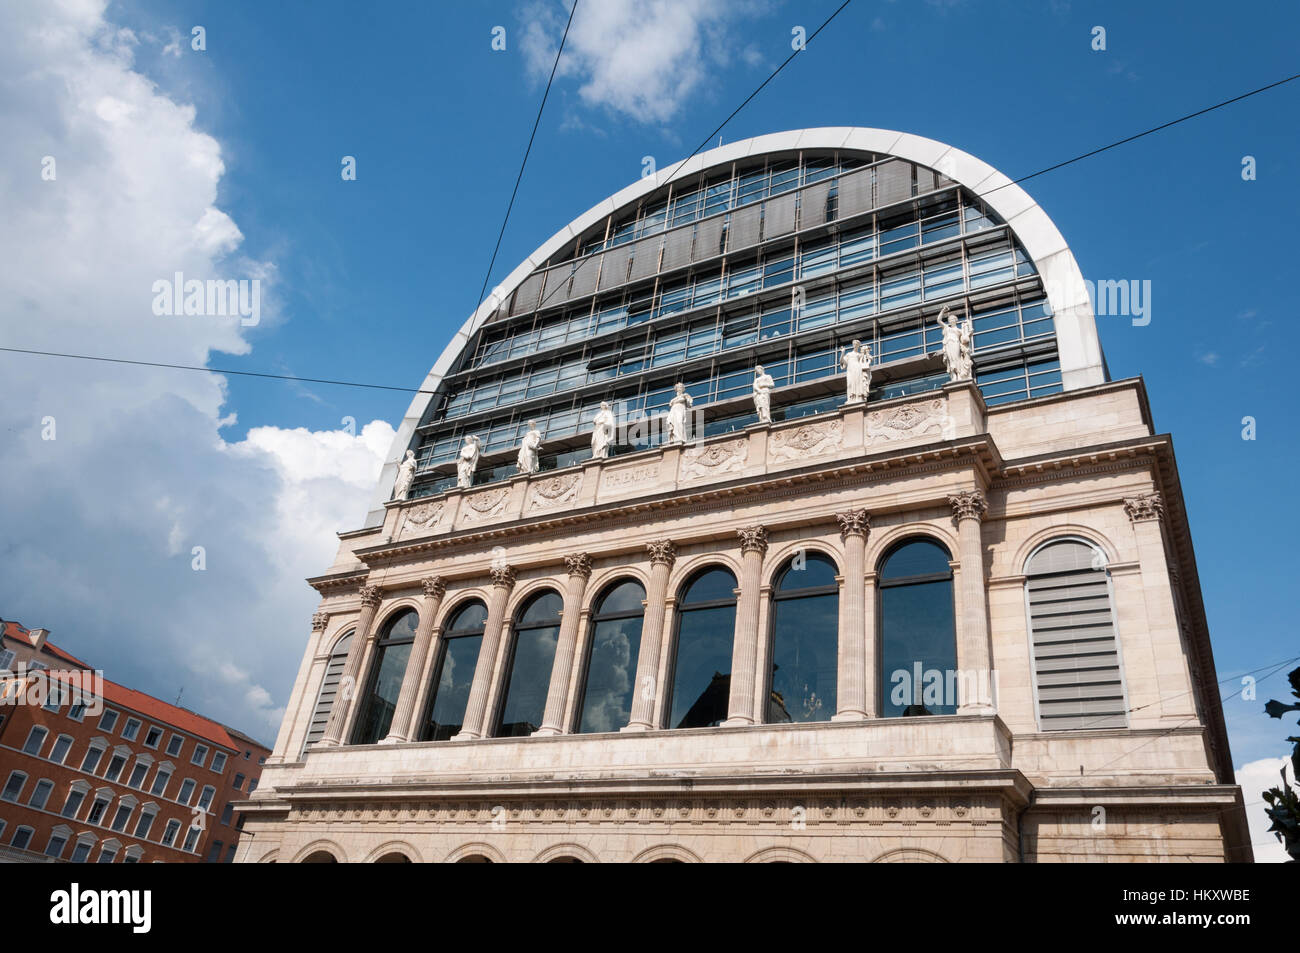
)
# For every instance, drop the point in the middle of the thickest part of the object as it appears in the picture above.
(386, 673)
(918, 634)
(454, 672)
(537, 630)
(611, 671)
(805, 641)
(706, 622)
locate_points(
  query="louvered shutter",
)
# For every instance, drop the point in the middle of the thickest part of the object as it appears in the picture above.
(329, 687)
(812, 207)
(526, 295)
(855, 192)
(744, 227)
(677, 247)
(1076, 658)
(778, 216)
(708, 235)
(614, 272)
(893, 182)
(645, 257)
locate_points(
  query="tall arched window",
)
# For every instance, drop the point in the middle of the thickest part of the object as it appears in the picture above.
(385, 682)
(918, 636)
(805, 640)
(611, 666)
(453, 674)
(537, 630)
(1077, 675)
(329, 687)
(706, 623)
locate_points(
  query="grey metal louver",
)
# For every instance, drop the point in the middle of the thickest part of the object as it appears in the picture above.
(329, 687)
(1076, 657)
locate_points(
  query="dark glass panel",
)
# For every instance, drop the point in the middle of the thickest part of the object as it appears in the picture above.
(917, 558)
(805, 635)
(377, 715)
(813, 571)
(451, 693)
(530, 678)
(711, 586)
(542, 609)
(469, 618)
(611, 673)
(626, 596)
(918, 649)
(702, 680)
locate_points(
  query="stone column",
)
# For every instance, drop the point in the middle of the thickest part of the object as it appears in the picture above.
(503, 580)
(853, 682)
(744, 649)
(400, 730)
(973, 651)
(579, 567)
(344, 701)
(1178, 691)
(662, 555)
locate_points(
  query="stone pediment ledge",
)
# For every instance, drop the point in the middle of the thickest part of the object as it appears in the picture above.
(856, 439)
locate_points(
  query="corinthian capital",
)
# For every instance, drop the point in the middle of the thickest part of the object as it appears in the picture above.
(435, 587)
(578, 564)
(969, 504)
(1142, 508)
(319, 620)
(854, 523)
(662, 552)
(370, 596)
(753, 539)
(502, 576)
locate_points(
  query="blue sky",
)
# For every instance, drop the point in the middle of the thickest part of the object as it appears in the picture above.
(371, 277)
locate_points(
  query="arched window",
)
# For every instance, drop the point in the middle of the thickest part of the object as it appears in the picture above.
(706, 623)
(1077, 676)
(918, 636)
(805, 640)
(329, 688)
(385, 683)
(611, 666)
(454, 672)
(537, 630)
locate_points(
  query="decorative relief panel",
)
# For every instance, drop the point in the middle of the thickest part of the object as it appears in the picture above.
(928, 418)
(423, 518)
(715, 459)
(486, 505)
(810, 440)
(553, 492)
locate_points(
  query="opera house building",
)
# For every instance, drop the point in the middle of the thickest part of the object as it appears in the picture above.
(780, 507)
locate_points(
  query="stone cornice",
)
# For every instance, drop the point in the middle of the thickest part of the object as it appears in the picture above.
(349, 579)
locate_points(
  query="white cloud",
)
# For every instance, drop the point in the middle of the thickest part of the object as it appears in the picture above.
(641, 58)
(1254, 778)
(99, 525)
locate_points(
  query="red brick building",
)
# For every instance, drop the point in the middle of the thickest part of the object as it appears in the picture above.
(92, 771)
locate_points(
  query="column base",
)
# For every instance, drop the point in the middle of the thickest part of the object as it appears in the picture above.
(737, 722)
(392, 740)
(327, 743)
(636, 726)
(546, 730)
(464, 736)
(976, 708)
(850, 716)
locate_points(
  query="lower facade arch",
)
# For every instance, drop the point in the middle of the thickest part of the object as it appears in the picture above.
(667, 853)
(561, 852)
(780, 855)
(466, 853)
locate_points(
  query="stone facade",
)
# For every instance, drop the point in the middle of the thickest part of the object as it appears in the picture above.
(987, 783)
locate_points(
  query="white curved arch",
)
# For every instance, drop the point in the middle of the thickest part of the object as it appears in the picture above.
(1076, 332)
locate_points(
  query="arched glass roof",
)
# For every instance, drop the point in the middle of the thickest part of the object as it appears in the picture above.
(774, 250)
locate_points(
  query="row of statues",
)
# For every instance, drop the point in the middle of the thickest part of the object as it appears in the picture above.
(855, 360)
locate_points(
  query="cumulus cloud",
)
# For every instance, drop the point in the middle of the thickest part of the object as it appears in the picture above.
(103, 525)
(640, 58)
(1256, 777)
